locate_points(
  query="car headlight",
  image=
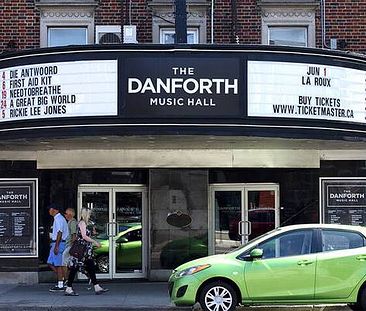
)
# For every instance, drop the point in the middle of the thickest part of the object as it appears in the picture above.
(192, 270)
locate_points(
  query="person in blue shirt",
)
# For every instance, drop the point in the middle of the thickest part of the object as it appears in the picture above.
(60, 232)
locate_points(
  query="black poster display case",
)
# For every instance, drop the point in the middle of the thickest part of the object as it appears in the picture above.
(343, 201)
(18, 218)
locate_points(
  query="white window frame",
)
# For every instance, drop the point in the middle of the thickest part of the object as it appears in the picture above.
(73, 27)
(66, 17)
(190, 30)
(286, 26)
(281, 16)
(163, 17)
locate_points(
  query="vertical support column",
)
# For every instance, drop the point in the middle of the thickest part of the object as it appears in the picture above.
(183, 193)
(180, 21)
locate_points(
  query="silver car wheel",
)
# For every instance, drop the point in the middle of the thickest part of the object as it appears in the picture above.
(218, 298)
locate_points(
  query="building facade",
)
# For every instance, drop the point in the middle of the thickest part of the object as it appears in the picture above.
(179, 150)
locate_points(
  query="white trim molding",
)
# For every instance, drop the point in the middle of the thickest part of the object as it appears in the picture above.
(66, 14)
(163, 17)
(289, 15)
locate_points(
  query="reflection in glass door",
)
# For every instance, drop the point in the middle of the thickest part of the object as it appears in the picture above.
(117, 219)
(261, 208)
(128, 240)
(228, 210)
(242, 212)
(99, 202)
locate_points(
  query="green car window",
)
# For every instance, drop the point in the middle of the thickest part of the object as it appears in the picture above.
(134, 235)
(333, 240)
(289, 244)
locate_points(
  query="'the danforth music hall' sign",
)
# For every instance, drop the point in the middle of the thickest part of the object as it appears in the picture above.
(182, 87)
(310, 91)
(18, 218)
(344, 201)
(53, 90)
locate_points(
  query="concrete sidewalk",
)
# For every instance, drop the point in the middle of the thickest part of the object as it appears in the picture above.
(121, 296)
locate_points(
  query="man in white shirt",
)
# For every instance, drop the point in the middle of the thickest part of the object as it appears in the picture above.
(60, 232)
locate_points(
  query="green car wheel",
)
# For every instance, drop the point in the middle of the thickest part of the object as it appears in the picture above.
(218, 296)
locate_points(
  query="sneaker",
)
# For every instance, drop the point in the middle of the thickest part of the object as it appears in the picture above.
(55, 288)
(70, 293)
(101, 291)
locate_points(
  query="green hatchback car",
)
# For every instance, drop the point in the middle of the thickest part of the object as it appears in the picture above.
(128, 244)
(300, 264)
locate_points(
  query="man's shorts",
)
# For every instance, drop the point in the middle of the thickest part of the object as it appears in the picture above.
(56, 260)
(66, 255)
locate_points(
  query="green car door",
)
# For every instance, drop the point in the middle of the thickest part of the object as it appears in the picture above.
(129, 250)
(341, 265)
(287, 269)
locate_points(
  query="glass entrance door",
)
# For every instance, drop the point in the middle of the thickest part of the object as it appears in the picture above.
(242, 212)
(118, 224)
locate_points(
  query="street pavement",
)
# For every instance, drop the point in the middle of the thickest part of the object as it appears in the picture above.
(121, 296)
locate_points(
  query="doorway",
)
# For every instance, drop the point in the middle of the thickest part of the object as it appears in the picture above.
(241, 212)
(119, 224)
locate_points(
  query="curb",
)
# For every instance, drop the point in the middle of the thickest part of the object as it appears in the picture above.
(25, 307)
(89, 308)
(297, 308)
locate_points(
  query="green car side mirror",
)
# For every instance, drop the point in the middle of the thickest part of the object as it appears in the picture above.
(256, 253)
(122, 240)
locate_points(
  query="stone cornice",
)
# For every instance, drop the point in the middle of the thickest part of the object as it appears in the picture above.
(67, 14)
(171, 15)
(287, 13)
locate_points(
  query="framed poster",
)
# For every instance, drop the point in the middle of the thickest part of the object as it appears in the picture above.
(18, 217)
(343, 200)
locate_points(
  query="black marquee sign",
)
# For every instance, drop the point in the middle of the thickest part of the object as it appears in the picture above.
(162, 89)
(176, 87)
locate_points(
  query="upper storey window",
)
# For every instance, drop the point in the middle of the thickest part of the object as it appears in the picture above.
(66, 22)
(294, 36)
(164, 19)
(290, 22)
(60, 36)
(167, 36)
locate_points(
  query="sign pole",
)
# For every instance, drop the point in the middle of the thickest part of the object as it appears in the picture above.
(180, 21)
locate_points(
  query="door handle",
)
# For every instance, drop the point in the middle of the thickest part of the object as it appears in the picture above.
(111, 225)
(305, 262)
(249, 231)
(361, 258)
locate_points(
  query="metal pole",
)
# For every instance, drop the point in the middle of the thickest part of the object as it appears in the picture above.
(212, 21)
(180, 21)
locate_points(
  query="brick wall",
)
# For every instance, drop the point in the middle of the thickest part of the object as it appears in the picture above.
(19, 24)
(247, 26)
(117, 12)
(345, 20)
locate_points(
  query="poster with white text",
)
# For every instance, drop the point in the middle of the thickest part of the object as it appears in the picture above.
(309, 91)
(58, 90)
